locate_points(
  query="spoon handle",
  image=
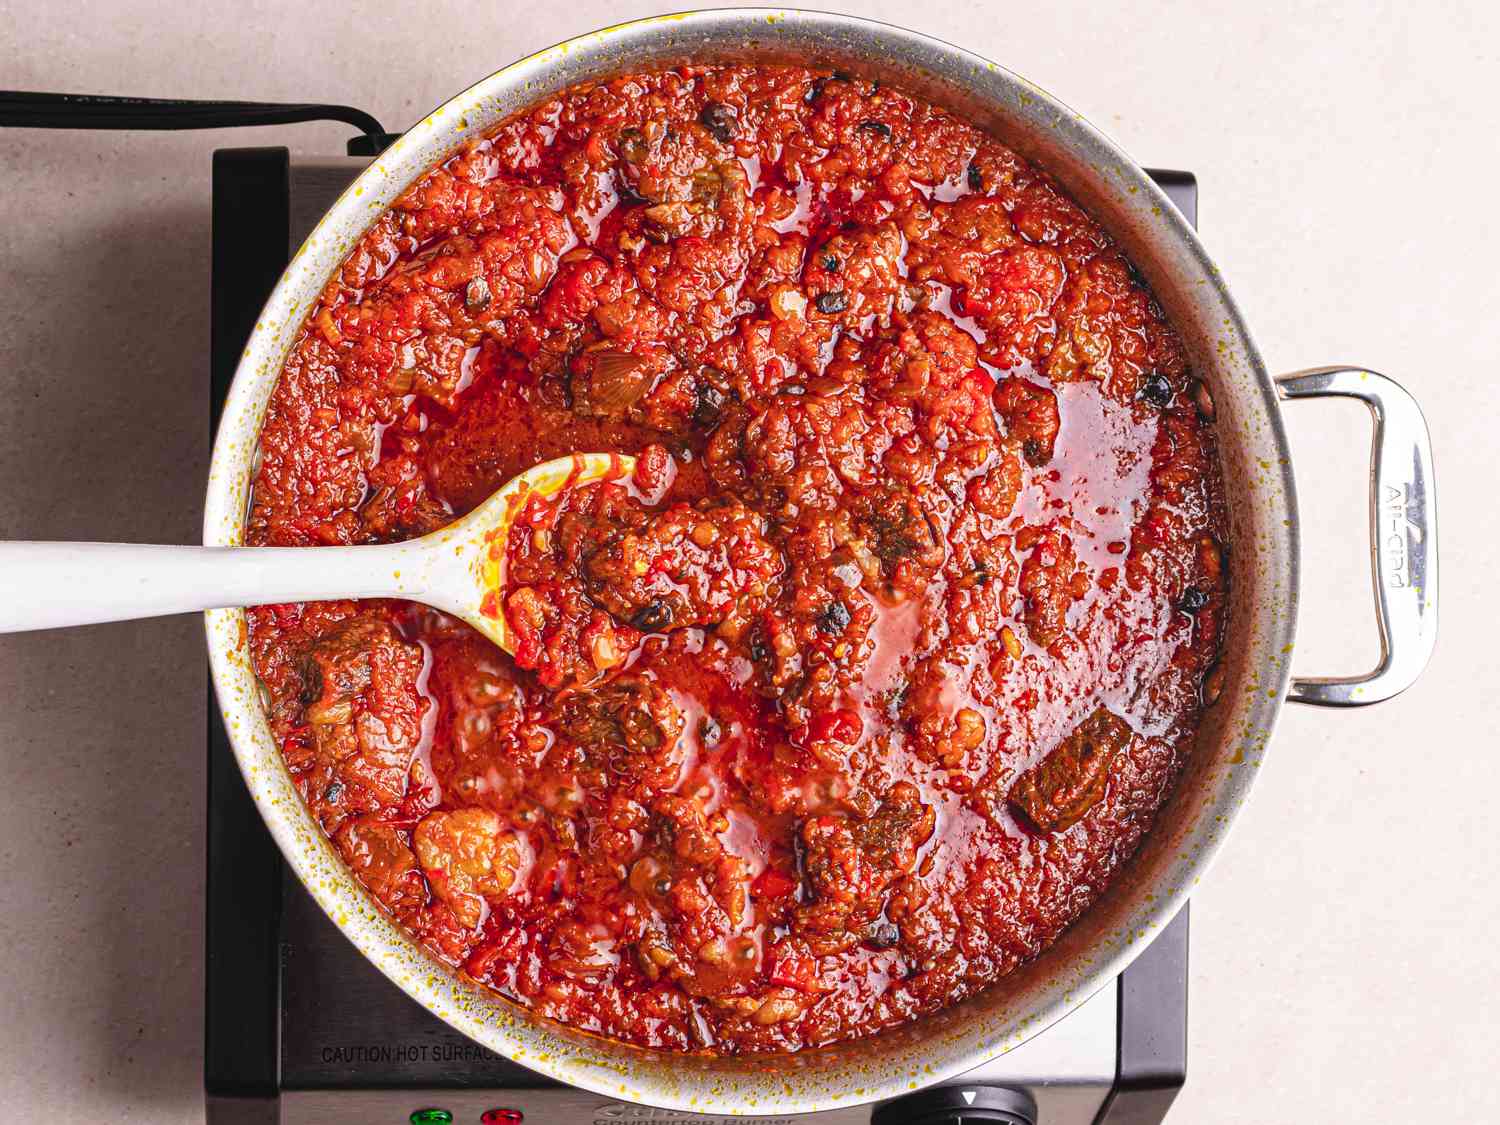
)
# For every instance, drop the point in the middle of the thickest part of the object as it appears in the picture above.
(46, 585)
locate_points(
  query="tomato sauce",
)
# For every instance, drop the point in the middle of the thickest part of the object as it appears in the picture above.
(868, 681)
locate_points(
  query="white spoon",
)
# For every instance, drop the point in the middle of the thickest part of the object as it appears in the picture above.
(459, 569)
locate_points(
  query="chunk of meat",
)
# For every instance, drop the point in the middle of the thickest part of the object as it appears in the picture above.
(381, 859)
(1072, 778)
(767, 353)
(560, 631)
(359, 685)
(466, 854)
(661, 165)
(414, 328)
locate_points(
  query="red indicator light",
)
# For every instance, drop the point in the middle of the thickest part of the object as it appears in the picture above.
(502, 1117)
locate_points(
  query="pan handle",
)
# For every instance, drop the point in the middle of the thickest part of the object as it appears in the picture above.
(1403, 535)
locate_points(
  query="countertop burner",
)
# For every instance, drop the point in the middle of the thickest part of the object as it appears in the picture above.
(301, 1028)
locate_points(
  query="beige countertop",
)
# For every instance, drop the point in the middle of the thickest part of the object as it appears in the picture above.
(1344, 957)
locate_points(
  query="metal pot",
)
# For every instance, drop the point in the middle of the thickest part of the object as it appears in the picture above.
(1264, 565)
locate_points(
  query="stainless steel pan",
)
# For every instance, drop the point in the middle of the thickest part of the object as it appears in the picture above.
(1264, 567)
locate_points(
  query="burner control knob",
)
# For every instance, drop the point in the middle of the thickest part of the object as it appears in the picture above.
(959, 1105)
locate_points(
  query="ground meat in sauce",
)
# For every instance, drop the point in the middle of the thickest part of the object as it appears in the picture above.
(867, 684)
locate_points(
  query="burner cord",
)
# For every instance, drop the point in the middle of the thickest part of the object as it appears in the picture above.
(32, 110)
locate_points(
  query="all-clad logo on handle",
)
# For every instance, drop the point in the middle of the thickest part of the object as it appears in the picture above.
(1399, 528)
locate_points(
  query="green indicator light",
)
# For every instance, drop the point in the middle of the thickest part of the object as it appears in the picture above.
(431, 1117)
